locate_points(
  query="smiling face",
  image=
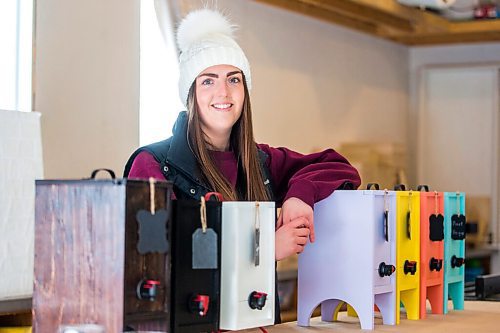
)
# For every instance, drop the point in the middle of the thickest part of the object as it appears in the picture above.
(219, 94)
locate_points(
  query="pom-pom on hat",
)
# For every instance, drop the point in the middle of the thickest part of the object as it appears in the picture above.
(205, 39)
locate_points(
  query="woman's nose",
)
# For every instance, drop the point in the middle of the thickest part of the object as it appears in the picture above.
(223, 89)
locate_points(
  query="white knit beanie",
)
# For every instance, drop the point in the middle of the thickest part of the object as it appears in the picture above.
(205, 39)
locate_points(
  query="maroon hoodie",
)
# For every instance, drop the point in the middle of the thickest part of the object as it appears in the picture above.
(310, 178)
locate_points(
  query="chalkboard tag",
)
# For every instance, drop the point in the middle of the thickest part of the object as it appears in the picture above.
(458, 227)
(204, 249)
(152, 231)
(436, 230)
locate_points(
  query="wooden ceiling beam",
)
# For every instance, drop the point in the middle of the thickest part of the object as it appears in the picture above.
(447, 38)
(475, 26)
(360, 11)
(459, 32)
(390, 20)
(421, 19)
(312, 10)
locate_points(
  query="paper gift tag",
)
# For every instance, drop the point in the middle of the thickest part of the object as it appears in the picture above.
(204, 250)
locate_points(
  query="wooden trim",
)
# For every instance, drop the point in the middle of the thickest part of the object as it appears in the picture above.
(495, 207)
(14, 306)
(447, 38)
(392, 21)
(308, 8)
(363, 12)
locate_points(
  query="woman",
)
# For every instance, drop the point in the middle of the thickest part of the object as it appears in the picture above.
(213, 149)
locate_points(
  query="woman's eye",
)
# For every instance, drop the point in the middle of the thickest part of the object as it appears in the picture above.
(234, 79)
(206, 82)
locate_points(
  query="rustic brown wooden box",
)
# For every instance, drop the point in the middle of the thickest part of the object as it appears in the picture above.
(87, 265)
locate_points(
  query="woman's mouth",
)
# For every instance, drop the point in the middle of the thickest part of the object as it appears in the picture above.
(222, 106)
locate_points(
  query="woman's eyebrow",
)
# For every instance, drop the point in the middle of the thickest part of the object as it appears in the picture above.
(232, 73)
(209, 74)
(217, 76)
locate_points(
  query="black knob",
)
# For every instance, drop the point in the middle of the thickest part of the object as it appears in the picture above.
(147, 289)
(257, 300)
(199, 304)
(436, 264)
(410, 267)
(385, 270)
(456, 262)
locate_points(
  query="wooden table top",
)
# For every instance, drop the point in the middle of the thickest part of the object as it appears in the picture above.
(478, 316)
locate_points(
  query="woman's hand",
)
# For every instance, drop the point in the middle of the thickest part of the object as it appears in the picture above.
(294, 208)
(291, 238)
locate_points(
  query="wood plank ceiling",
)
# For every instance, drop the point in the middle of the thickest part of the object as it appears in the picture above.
(390, 20)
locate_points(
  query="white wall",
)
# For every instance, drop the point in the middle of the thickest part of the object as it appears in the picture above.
(420, 57)
(317, 84)
(467, 55)
(87, 84)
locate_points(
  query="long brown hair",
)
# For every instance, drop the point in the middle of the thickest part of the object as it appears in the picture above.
(241, 142)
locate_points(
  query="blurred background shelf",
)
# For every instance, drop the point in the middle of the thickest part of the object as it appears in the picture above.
(15, 312)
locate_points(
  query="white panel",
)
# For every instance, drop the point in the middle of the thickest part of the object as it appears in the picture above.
(20, 165)
(457, 129)
(240, 276)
